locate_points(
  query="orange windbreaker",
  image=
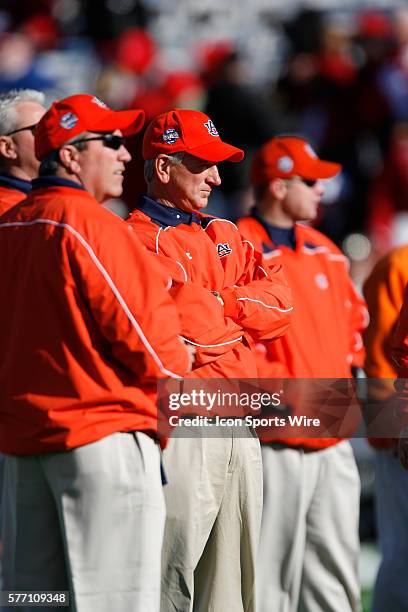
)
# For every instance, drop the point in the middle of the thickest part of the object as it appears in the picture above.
(384, 293)
(205, 254)
(12, 191)
(328, 317)
(86, 326)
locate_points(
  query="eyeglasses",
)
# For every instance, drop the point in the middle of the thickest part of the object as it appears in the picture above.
(28, 127)
(112, 141)
(308, 182)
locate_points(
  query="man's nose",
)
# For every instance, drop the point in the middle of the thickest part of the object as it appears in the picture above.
(320, 188)
(124, 155)
(214, 175)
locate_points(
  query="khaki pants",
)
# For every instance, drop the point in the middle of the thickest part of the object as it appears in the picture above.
(309, 551)
(391, 487)
(89, 521)
(214, 505)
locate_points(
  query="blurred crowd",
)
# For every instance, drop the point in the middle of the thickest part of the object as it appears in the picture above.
(338, 78)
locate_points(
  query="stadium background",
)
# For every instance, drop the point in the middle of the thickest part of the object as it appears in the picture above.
(339, 77)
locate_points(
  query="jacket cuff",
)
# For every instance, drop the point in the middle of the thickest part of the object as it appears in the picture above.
(230, 303)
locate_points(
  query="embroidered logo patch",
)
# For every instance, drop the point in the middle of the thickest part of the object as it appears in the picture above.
(285, 164)
(223, 249)
(322, 281)
(170, 136)
(212, 130)
(68, 121)
(99, 102)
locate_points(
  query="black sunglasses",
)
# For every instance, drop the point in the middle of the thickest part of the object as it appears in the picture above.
(28, 127)
(308, 182)
(112, 141)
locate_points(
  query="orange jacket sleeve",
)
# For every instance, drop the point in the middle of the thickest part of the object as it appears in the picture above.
(261, 300)
(134, 313)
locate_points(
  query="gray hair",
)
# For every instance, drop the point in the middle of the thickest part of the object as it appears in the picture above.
(175, 160)
(8, 102)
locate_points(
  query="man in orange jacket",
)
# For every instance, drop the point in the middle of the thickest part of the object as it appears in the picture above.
(309, 550)
(223, 292)
(20, 111)
(384, 292)
(86, 327)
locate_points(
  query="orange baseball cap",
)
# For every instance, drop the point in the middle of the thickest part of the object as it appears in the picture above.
(286, 156)
(190, 131)
(81, 113)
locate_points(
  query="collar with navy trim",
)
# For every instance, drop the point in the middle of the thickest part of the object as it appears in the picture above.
(279, 236)
(11, 182)
(55, 181)
(166, 216)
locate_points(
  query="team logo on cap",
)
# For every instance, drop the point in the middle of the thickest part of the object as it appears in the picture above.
(285, 164)
(68, 121)
(99, 102)
(223, 249)
(170, 136)
(212, 130)
(310, 151)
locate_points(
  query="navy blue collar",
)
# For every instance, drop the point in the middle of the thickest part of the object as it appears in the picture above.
(15, 183)
(165, 215)
(279, 236)
(55, 181)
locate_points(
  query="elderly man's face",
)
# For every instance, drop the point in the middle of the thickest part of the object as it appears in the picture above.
(102, 167)
(28, 115)
(191, 183)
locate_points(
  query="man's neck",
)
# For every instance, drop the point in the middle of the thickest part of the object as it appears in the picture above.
(17, 173)
(163, 201)
(271, 211)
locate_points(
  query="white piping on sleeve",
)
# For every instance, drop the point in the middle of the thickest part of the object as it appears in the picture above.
(264, 271)
(108, 280)
(211, 345)
(316, 251)
(358, 342)
(157, 240)
(222, 220)
(245, 299)
(183, 268)
(338, 257)
(250, 244)
(272, 254)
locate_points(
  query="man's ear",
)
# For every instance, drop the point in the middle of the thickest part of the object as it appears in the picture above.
(69, 158)
(162, 168)
(278, 188)
(7, 148)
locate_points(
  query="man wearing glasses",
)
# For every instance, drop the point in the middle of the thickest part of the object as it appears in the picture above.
(20, 111)
(86, 327)
(309, 549)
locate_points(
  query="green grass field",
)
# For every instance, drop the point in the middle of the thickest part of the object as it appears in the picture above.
(366, 598)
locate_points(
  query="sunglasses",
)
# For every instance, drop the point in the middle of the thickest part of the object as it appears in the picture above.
(308, 182)
(28, 127)
(112, 141)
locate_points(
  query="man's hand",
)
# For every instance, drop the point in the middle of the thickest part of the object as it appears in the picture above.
(218, 296)
(191, 354)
